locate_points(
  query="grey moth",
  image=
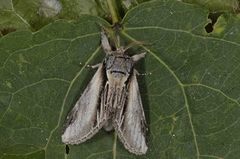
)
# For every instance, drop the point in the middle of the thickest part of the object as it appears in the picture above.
(111, 100)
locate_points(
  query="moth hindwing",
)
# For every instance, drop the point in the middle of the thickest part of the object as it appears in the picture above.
(111, 100)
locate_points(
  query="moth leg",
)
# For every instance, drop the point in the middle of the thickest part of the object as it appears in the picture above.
(137, 57)
(93, 66)
(105, 43)
(98, 118)
(142, 74)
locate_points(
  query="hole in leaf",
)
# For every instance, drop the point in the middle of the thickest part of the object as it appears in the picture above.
(67, 149)
(213, 17)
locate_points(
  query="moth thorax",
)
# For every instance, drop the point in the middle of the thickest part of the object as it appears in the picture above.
(116, 78)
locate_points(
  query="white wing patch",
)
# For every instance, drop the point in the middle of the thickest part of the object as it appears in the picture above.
(87, 116)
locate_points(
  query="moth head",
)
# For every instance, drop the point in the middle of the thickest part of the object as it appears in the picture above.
(120, 50)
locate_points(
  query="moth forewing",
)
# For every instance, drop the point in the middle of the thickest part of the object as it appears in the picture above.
(87, 116)
(131, 124)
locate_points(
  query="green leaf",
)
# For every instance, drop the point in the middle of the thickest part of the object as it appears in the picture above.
(218, 5)
(191, 99)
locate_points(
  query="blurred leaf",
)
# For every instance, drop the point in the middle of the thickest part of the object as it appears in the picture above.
(191, 100)
(34, 14)
(5, 4)
(74, 8)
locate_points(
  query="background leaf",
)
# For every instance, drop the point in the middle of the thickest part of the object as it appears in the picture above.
(191, 100)
(218, 5)
(194, 89)
(34, 14)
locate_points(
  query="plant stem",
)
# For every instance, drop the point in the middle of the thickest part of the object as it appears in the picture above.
(115, 145)
(113, 10)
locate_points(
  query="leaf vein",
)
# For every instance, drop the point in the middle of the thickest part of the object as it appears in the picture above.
(226, 128)
(44, 43)
(213, 89)
(182, 31)
(28, 86)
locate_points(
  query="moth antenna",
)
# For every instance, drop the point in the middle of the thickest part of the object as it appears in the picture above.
(105, 41)
(134, 43)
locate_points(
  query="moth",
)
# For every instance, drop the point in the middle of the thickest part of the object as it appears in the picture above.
(111, 100)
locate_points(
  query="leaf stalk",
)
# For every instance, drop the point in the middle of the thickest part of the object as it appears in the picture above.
(113, 11)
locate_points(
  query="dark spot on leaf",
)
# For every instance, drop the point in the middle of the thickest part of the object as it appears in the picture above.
(195, 79)
(213, 17)
(67, 149)
(7, 30)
